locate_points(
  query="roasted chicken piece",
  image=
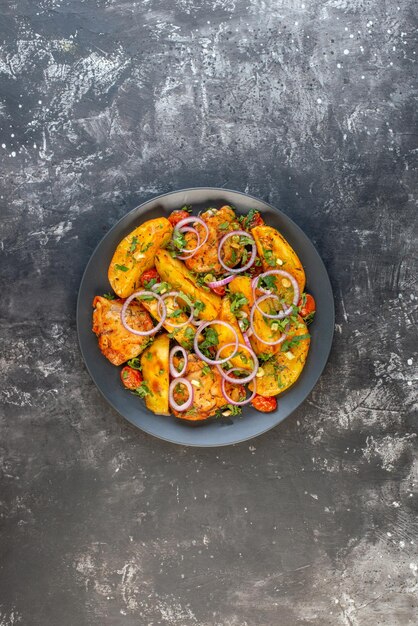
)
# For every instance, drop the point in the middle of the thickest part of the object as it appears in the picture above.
(205, 260)
(206, 383)
(116, 343)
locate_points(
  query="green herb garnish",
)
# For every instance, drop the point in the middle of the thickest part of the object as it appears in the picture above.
(238, 300)
(135, 363)
(294, 341)
(122, 268)
(143, 390)
(109, 296)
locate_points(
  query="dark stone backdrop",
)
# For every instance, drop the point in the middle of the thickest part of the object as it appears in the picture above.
(105, 103)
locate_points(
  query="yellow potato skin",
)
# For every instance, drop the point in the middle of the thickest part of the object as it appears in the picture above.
(136, 252)
(281, 372)
(154, 364)
(268, 238)
(176, 273)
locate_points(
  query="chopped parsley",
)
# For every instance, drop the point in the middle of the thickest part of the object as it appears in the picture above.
(267, 282)
(150, 283)
(264, 357)
(211, 339)
(125, 374)
(269, 257)
(206, 369)
(143, 390)
(134, 244)
(199, 306)
(238, 300)
(248, 220)
(294, 341)
(309, 318)
(109, 296)
(135, 363)
(145, 247)
(189, 332)
(179, 240)
(235, 410)
(122, 268)
(223, 226)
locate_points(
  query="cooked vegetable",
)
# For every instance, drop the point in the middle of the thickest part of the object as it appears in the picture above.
(116, 343)
(225, 336)
(207, 392)
(154, 363)
(263, 404)
(307, 307)
(135, 254)
(130, 377)
(284, 368)
(176, 273)
(275, 252)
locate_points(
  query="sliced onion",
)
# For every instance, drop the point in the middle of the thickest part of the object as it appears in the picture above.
(193, 219)
(173, 371)
(238, 382)
(253, 252)
(175, 295)
(189, 252)
(247, 341)
(267, 296)
(248, 378)
(267, 343)
(205, 358)
(143, 333)
(186, 405)
(295, 286)
(220, 283)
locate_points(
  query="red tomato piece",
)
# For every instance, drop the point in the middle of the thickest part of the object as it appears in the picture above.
(149, 275)
(265, 405)
(308, 307)
(130, 378)
(219, 290)
(177, 216)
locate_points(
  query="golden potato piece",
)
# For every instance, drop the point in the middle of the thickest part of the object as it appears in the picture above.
(116, 343)
(135, 254)
(285, 367)
(155, 370)
(183, 335)
(176, 273)
(242, 284)
(276, 253)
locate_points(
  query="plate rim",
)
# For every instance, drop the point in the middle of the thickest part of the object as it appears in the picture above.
(146, 430)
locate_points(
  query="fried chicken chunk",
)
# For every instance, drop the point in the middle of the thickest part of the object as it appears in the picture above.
(220, 222)
(206, 383)
(116, 343)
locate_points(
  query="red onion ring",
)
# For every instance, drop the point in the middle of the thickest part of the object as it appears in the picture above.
(192, 220)
(205, 358)
(186, 405)
(220, 283)
(266, 297)
(189, 252)
(238, 382)
(143, 333)
(247, 341)
(295, 286)
(175, 294)
(173, 371)
(267, 343)
(253, 252)
(248, 378)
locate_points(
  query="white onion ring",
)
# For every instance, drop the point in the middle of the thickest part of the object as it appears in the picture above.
(277, 316)
(238, 382)
(248, 378)
(253, 252)
(295, 286)
(267, 343)
(205, 358)
(176, 294)
(220, 283)
(186, 405)
(173, 371)
(189, 252)
(143, 333)
(247, 341)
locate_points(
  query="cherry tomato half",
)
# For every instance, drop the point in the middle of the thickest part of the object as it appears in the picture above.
(130, 378)
(149, 275)
(177, 216)
(309, 306)
(219, 290)
(265, 405)
(257, 220)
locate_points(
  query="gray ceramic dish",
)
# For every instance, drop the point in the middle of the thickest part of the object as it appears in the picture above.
(251, 423)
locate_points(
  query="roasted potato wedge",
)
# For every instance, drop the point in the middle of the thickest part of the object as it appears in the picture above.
(183, 335)
(176, 273)
(116, 343)
(225, 336)
(242, 284)
(276, 253)
(285, 367)
(155, 370)
(135, 254)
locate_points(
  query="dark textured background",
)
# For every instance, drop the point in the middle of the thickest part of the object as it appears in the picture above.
(105, 103)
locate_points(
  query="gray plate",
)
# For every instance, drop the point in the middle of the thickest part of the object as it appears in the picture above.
(251, 423)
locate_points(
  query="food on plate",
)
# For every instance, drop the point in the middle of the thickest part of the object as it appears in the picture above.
(135, 254)
(214, 306)
(155, 370)
(118, 344)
